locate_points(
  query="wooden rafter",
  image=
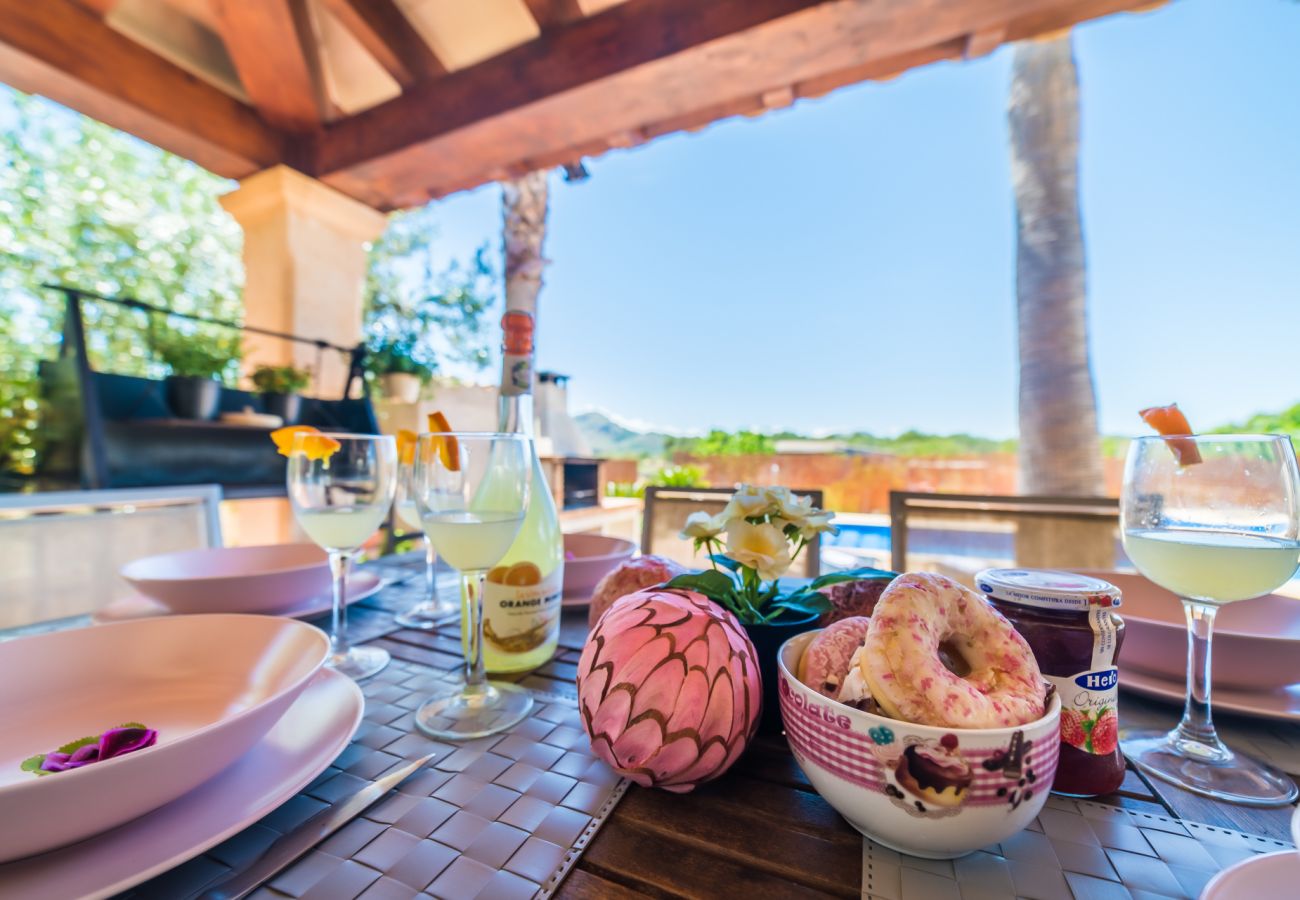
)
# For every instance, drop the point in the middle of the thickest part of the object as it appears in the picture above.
(550, 13)
(59, 49)
(387, 35)
(267, 48)
(649, 67)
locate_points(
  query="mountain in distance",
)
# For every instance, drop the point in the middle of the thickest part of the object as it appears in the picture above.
(609, 439)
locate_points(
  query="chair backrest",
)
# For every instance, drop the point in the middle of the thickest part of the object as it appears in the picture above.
(666, 510)
(61, 551)
(959, 534)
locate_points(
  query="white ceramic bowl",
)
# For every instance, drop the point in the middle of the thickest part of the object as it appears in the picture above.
(861, 763)
(232, 579)
(211, 686)
(589, 558)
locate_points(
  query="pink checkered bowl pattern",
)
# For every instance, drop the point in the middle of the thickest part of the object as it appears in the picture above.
(932, 792)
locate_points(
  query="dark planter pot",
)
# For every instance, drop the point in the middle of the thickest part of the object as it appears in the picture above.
(193, 397)
(767, 640)
(286, 406)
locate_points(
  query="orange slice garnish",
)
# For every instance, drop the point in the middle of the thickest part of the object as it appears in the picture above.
(1170, 422)
(448, 448)
(319, 446)
(283, 437)
(405, 446)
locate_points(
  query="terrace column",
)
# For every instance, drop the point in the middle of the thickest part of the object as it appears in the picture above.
(305, 269)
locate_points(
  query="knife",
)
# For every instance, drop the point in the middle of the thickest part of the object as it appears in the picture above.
(292, 845)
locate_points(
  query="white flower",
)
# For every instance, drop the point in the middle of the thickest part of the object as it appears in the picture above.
(748, 502)
(761, 547)
(819, 522)
(788, 506)
(700, 526)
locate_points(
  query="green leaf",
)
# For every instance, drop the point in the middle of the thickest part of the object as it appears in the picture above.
(863, 574)
(133, 725)
(74, 746)
(33, 764)
(711, 583)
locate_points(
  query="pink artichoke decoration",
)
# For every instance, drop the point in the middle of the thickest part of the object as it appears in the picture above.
(669, 690)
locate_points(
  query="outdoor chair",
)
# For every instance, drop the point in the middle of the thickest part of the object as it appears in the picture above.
(666, 510)
(61, 551)
(959, 534)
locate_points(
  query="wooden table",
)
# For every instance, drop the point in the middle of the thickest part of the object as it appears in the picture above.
(762, 830)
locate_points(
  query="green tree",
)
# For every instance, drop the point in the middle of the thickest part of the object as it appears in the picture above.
(434, 309)
(86, 205)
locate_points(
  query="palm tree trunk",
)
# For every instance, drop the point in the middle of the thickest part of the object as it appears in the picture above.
(1060, 451)
(523, 208)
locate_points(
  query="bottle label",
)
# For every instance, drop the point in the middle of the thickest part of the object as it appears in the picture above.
(516, 353)
(1090, 699)
(521, 609)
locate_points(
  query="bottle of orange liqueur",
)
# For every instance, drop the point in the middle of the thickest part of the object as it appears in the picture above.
(521, 600)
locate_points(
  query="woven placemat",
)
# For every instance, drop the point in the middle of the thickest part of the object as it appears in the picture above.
(499, 818)
(1074, 849)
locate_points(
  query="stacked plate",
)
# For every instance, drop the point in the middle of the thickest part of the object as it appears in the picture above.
(245, 717)
(1256, 649)
(282, 579)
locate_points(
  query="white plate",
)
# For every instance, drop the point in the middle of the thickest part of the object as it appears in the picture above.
(360, 586)
(1282, 704)
(260, 579)
(311, 735)
(211, 686)
(1261, 877)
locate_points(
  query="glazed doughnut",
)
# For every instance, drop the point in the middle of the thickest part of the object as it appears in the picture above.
(826, 660)
(921, 616)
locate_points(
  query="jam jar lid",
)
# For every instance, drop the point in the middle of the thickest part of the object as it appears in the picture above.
(1048, 589)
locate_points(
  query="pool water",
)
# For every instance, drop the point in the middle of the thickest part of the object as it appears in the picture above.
(937, 542)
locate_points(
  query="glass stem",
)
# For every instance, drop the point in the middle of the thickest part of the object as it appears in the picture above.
(339, 561)
(430, 563)
(472, 613)
(1197, 724)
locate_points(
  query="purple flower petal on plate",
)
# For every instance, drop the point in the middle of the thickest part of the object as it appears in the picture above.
(83, 755)
(117, 741)
(55, 762)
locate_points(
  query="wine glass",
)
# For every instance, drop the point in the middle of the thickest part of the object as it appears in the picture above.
(340, 499)
(429, 612)
(1214, 519)
(472, 491)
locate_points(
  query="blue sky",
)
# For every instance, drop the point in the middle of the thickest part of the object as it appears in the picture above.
(849, 263)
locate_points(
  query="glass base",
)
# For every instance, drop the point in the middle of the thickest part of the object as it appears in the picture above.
(1209, 769)
(462, 713)
(427, 615)
(359, 662)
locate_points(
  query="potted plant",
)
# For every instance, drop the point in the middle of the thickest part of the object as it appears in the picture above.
(751, 544)
(195, 364)
(281, 387)
(399, 369)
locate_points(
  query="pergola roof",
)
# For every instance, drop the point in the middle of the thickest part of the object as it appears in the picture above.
(397, 101)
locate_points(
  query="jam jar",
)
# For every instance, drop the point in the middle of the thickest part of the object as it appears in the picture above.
(1068, 621)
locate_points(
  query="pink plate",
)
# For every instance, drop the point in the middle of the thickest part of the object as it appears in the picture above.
(299, 747)
(1278, 703)
(1259, 877)
(589, 558)
(1256, 642)
(212, 686)
(360, 586)
(232, 579)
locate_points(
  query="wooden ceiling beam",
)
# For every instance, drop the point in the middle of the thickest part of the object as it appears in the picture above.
(387, 35)
(550, 13)
(60, 50)
(651, 67)
(571, 56)
(268, 50)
